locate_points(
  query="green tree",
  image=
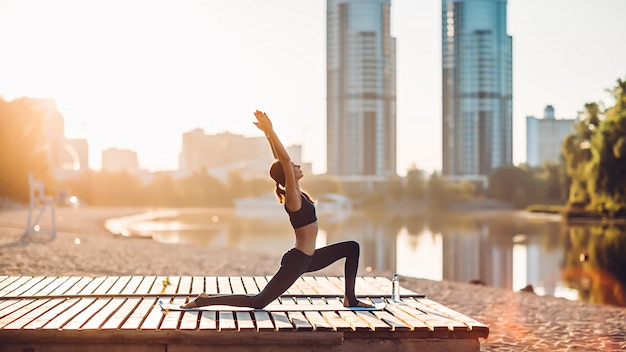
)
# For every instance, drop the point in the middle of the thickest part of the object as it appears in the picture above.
(202, 189)
(596, 158)
(439, 196)
(415, 184)
(22, 148)
(321, 184)
(608, 164)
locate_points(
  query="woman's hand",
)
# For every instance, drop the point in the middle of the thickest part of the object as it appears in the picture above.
(263, 122)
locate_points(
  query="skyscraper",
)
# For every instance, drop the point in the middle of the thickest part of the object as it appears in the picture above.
(477, 87)
(361, 88)
(545, 136)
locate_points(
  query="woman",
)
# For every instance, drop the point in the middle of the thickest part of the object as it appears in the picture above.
(304, 257)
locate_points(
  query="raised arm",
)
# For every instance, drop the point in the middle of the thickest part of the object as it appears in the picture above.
(292, 194)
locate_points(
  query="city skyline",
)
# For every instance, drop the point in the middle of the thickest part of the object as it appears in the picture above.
(138, 74)
(477, 55)
(361, 89)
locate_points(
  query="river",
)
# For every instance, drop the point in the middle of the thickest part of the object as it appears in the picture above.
(506, 249)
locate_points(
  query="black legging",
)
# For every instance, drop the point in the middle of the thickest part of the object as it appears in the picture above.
(294, 264)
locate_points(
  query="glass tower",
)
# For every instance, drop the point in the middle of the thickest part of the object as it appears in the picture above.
(361, 88)
(477, 87)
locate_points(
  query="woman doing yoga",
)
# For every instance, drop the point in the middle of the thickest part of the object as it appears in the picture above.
(304, 257)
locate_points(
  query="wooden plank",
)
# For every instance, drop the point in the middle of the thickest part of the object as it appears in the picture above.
(119, 285)
(59, 321)
(184, 285)
(32, 314)
(263, 321)
(355, 322)
(281, 321)
(37, 320)
(136, 317)
(38, 286)
(189, 320)
(146, 284)
(109, 309)
(19, 289)
(223, 285)
(197, 285)
(328, 287)
(208, 321)
(336, 321)
(454, 315)
(261, 282)
(318, 322)
(132, 285)
(396, 324)
(49, 315)
(299, 287)
(65, 286)
(316, 288)
(13, 305)
(250, 285)
(210, 285)
(80, 319)
(106, 285)
(226, 321)
(411, 320)
(93, 285)
(45, 291)
(299, 321)
(434, 320)
(19, 310)
(172, 287)
(244, 321)
(160, 285)
(2, 278)
(120, 314)
(237, 285)
(374, 323)
(8, 282)
(155, 315)
(171, 319)
(79, 285)
(4, 303)
(339, 287)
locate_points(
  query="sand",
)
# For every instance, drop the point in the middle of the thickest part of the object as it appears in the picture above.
(518, 321)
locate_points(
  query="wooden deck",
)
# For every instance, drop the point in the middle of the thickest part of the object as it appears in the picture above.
(121, 313)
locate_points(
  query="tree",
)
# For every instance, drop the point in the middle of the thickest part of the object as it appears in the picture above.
(415, 184)
(596, 158)
(576, 150)
(438, 192)
(608, 164)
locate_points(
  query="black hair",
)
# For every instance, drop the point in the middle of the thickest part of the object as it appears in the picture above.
(277, 173)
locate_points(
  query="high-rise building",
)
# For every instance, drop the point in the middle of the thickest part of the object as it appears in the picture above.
(545, 136)
(120, 160)
(361, 88)
(203, 151)
(477, 87)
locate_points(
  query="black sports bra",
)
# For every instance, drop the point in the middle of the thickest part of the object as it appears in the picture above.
(303, 216)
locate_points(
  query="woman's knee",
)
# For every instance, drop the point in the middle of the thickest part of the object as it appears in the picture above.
(353, 247)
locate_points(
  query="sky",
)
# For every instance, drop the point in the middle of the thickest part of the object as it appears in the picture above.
(137, 74)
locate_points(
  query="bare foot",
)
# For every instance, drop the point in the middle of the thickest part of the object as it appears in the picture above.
(346, 303)
(192, 303)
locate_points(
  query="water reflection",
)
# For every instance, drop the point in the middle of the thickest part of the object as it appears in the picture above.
(595, 263)
(503, 249)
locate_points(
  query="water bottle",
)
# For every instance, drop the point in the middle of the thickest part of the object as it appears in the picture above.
(395, 288)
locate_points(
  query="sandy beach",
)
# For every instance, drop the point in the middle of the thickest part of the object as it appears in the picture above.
(518, 321)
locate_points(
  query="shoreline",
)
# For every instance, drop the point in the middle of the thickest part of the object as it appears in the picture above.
(83, 246)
